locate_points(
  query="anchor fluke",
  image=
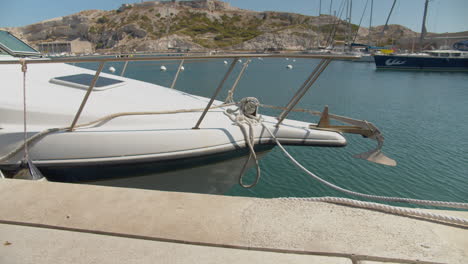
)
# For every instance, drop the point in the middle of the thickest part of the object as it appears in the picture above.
(376, 156)
(360, 127)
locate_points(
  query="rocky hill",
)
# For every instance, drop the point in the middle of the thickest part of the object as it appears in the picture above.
(200, 25)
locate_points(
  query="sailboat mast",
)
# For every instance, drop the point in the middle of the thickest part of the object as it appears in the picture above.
(349, 8)
(350, 28)
(319, 20)
(320, 7)
(370, 21)
(388, 18)
(423, 29)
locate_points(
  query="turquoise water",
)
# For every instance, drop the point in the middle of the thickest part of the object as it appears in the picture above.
(423, 115)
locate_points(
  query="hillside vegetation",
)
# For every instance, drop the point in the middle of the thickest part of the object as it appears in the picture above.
(209, 24)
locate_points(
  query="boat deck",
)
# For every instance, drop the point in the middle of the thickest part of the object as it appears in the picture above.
(45, 222)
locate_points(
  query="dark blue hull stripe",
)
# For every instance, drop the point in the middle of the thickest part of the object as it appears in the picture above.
(396, 62)
(423, 69)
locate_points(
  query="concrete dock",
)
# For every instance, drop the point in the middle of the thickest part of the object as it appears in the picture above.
(44, 222)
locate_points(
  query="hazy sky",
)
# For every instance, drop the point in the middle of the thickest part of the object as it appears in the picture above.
(443, 15)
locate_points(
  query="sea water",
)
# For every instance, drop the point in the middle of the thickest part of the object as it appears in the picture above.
(423, 116)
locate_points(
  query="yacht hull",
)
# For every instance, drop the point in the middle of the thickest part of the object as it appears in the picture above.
(214, 174)
(150, 144)
(395, 62)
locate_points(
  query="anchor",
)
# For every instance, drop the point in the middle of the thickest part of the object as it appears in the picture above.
(360, 127)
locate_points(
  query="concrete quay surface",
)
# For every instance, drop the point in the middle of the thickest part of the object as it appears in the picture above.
(45, 222)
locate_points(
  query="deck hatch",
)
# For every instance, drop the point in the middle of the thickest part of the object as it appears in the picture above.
(83, 80)
(14, 46)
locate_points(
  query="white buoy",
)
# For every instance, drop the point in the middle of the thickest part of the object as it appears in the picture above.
(225, 62)
(182, 68)
(163, 68)
(289, 67)
(111, 69)
(287, 58)
(240, 61)
(294, 60)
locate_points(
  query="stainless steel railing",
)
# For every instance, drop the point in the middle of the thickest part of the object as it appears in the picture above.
(326, 59)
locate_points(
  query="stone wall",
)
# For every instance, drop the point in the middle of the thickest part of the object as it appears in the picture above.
(212, 5)
(80, 46)
(76, 46)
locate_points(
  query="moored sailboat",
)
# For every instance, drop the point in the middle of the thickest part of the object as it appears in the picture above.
(429, 60)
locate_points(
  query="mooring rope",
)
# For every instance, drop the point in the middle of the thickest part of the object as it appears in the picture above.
(369, 196)
(24, 69)
(247, 109)
(382, 207)
(33, 173)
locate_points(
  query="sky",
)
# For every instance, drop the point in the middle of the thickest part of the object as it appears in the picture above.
(443, 15)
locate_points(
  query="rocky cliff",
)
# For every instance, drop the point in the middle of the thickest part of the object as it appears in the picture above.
(199, 25)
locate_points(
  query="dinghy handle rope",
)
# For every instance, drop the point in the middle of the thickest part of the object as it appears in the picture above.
(374, 197)
(98, 122)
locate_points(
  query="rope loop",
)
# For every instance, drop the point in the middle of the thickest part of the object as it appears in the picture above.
(382, 207)
(245, 116)
(24, 69)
